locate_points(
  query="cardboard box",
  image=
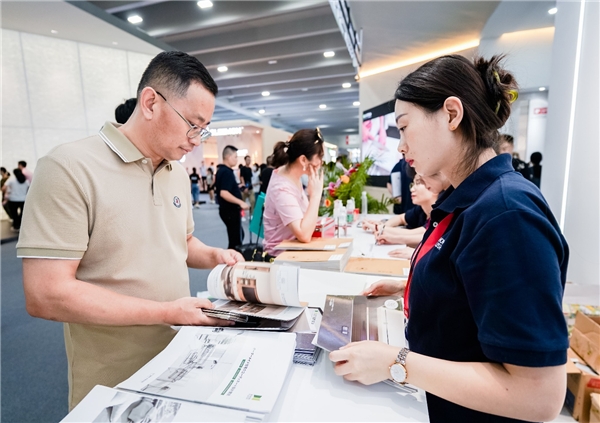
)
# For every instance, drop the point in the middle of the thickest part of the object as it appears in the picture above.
(595, 410)
(582, 381)
(585, 339)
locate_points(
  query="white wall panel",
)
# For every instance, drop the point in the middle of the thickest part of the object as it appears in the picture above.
(15, 102)
(47, 138)
(17, 144)
(105, 76)
(137, 65)
(54, 79)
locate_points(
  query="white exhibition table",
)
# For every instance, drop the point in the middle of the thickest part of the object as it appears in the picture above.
(318, 394)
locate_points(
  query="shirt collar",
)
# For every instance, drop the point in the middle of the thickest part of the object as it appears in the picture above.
(472, 187)
(119, 143)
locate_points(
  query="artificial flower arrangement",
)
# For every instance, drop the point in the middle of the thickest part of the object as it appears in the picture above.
(342, 185)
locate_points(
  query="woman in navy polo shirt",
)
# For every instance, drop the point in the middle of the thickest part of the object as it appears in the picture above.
(485, 327)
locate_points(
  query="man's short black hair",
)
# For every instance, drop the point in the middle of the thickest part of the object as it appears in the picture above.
(229, 150)
(173, 72)
(508, 138)
(23, 163)
(124, 110)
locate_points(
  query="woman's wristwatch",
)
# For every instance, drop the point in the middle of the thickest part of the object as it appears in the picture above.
(398, 371)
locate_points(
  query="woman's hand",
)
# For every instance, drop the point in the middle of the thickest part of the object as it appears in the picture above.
(385, 287)
(315, 183)
(403, 253)
(390, 236)
(371, 225)
(367, 362)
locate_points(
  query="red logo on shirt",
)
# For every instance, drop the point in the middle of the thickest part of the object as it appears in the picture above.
(176, 202)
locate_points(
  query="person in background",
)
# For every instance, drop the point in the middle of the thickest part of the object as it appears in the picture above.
(124, 110)
(229, 197)
(339, 165)
(424, 199)
(265, 174)
(289, 214)
(477, 359)
(22, 165)
(195, 184)
(256, 180)
(536, 168)
(14, 192)
(246, 183)
(210, 182)
(5, 175)
(404, 202)
(507, 145)
(106, 254)
(414, 219)
(204, 186)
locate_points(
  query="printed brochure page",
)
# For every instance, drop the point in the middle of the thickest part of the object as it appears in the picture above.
(104, 404)
(224, 367)
(255, 282)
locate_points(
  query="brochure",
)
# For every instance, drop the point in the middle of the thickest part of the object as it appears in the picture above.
(104, 404)
(250, 292)
(219, 367)
(349, 318)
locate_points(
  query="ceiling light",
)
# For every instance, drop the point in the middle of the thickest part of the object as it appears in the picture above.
(222, 68)
(265, 93)
(322, 106)
(350, 130)
(115, 43)
(135, 19)
(272, 62)
(542, 88)
(346, 85)
(356, 103)
(423, 58)
(304, 89)
(329, 54)
(553, 11)
(205, 4)
(54, 31)
(261, 111)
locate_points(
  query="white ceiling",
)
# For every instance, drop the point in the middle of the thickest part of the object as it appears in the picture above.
(246, 34)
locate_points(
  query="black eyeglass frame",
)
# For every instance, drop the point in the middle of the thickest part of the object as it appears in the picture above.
(194, 130)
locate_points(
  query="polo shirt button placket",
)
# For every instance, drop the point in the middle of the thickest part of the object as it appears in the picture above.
(144, 161)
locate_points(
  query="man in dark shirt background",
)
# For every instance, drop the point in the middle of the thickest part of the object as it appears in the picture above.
(265, 175)
(194, 180)
(246, 180)
(229, 197)
(507, 145)
(404, 202)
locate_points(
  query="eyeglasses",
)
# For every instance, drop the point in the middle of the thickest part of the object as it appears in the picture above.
(194, 130)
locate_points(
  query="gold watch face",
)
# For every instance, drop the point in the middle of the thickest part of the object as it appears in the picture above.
(398, 373)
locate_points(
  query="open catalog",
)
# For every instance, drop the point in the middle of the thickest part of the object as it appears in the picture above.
(204, 374)
(261, 296)
(353, 318)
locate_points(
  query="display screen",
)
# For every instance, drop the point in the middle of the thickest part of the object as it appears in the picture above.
(380, 138)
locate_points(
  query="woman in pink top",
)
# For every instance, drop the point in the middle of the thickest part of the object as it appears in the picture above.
(289, 214)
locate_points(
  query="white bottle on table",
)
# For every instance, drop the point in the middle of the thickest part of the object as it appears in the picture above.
(364, 204)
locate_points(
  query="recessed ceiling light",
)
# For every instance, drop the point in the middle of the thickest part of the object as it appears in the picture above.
(54, 31)
(135, 19)
(222, 68)
(356, 103)
(346, 85)
(553, 11)
(115, 43)
(350, 130)
(322, 106)
(205, 4)
(542, 88)
(261, 111)
(329, 54)
(265, 93)
(304, 89)
(272, 62)
(310, 120)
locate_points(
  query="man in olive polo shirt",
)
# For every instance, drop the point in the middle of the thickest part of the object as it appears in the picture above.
(107, 233)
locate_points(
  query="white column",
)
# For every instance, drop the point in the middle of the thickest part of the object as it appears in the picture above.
(570, 178)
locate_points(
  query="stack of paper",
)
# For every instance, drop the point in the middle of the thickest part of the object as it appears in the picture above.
(306, 352)
(322, 254)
